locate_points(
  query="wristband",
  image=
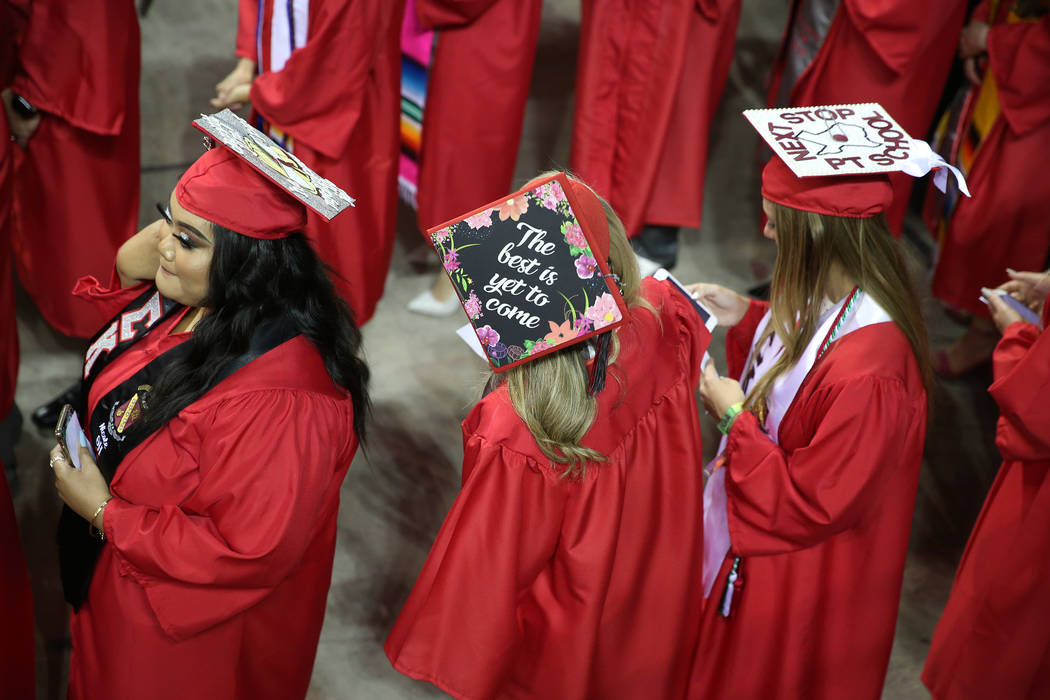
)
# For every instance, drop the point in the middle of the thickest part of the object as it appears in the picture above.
(729, 417)
(22, 106)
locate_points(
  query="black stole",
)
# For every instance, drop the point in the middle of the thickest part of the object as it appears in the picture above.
(110, 423)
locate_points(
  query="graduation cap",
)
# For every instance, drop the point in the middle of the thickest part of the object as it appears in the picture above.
(531, 271)
(253, 186)
(816, 145)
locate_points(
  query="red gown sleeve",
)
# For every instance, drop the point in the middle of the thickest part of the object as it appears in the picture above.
(459, 628)
(1019, 58)
(247, 25)
(446, 14)
(318, 96)
(980, 12)
(1022, 390)
(899, 31)
(71, 61)
(107, 300)
(247, 524)
(740, 337)
(780, 502)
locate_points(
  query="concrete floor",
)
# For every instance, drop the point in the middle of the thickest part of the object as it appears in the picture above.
(400, 487)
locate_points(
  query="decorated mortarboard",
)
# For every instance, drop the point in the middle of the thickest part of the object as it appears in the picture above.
(852, 139)
(251, 185)
(531, 270)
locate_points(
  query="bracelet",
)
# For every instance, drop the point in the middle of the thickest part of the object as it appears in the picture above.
(100, 533)
(729, 417)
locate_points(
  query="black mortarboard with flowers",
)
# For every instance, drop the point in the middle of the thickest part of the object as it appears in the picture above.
(531, 270)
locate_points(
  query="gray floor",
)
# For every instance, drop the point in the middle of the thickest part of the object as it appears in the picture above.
(399, 489)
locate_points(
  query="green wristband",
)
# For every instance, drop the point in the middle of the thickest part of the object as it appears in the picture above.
(729, 418)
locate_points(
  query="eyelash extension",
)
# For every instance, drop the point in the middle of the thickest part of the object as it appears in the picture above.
(185, 241)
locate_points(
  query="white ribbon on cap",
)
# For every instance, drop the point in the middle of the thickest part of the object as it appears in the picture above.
(922, 160)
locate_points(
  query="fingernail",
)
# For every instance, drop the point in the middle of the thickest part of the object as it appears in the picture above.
(1011, 271)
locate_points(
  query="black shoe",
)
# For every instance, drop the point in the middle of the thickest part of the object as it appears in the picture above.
(47, 415)
(657, 243)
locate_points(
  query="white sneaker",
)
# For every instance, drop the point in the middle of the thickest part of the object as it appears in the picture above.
(646, 267)
(427, 305)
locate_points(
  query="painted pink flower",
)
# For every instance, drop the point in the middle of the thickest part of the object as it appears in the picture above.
(574, 235)
(480, 220)
(487, 336)
(586, 266)
(513, 208)
(603, 311)
(439, 236)
(550, 195)
(451, 262)
(584, 325)
(472, 305)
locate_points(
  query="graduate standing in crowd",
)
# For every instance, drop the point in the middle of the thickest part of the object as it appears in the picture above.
(323, 80)
(808, 505)
(569, 564)
(11, 21)
(225, 402)
(992, 640)
(894, 52)
(475, 105)
(648, 82)
(999, 135)
(73, 108)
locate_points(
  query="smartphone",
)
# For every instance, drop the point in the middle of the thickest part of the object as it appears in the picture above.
(69, 432)
(705, 314)
(1026, 313)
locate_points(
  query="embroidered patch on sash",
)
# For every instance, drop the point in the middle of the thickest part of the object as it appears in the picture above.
(123, 416)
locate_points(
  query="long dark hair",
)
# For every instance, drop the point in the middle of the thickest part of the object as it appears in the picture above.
(252, 281)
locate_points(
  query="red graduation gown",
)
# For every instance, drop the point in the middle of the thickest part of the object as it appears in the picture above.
(338, 98)
(822, 523)
(220, 535)
(476, 93)
(992, 640)
(894, 52)
(17, 671)
(1005, 223)
(648, 83)
(543, 587)
(76, 194)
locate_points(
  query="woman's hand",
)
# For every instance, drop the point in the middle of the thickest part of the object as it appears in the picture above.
(1030, 288)
(233, 91)
(22, 128)
(974, 39)
(973, 42)
(1001, 312)
(718, 393)
(139, 257)
(727, 306)
(84, 489)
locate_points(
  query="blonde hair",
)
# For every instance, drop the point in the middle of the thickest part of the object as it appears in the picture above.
(550, 393)
(808, 244)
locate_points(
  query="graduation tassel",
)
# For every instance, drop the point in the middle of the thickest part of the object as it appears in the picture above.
(732, 581)
(601, 359)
